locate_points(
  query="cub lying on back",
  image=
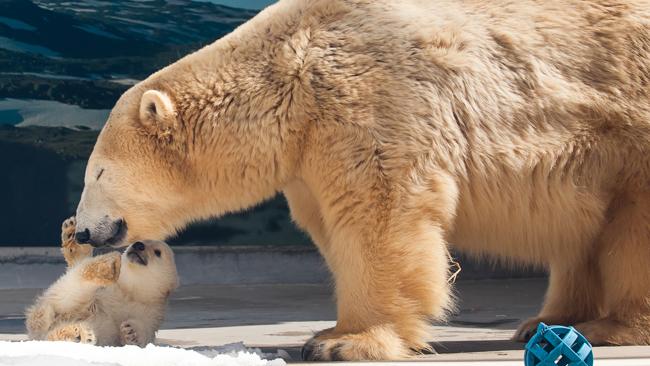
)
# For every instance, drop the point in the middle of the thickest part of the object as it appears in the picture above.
(108, 300)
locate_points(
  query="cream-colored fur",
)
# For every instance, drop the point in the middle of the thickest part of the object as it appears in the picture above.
(107, 300)
(515, 129)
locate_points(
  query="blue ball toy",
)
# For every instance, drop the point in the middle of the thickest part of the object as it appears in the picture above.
(558, 346)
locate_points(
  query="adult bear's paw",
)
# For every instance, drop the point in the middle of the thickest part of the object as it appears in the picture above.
(376, 343)
(528, 328)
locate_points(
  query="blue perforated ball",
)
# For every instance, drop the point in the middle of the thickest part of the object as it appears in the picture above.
(558, 346)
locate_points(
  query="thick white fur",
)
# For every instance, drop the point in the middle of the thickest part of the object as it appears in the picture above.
(106, 300)
(514, 129)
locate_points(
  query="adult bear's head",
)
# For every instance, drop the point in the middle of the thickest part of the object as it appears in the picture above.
(216, 132)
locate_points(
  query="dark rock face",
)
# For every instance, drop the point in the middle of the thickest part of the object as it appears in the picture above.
(33, 194)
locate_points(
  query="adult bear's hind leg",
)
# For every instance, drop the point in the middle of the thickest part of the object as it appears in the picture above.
(574, 295)
(623, 261)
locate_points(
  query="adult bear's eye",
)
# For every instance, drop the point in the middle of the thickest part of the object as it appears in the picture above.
(157, 252)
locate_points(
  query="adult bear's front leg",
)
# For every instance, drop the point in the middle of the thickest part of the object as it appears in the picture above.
(388, 258)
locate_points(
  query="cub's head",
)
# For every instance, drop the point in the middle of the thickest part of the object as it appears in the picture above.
(148, 270)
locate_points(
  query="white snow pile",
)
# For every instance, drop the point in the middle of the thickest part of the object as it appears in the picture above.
(234, 348)
(33, 353)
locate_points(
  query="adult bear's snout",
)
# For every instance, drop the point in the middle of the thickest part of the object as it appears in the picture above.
(82, 237)
(106, 232)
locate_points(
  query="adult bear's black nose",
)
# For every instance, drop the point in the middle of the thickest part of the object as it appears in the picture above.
(107, 232)
(139, 246)
(82, 237)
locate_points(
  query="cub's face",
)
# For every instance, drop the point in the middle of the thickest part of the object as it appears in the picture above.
(148, 270)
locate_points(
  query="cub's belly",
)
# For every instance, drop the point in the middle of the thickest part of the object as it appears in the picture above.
(527, 222)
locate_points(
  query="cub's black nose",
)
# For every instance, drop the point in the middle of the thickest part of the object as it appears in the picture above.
(82, 237)
(138, 245)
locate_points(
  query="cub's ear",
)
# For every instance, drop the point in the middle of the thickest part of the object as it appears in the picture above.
(157, 112)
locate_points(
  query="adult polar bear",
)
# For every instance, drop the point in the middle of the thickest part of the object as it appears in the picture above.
(518, 129)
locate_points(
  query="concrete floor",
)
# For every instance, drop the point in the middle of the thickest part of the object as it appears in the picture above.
(273, 317)
(205, 306)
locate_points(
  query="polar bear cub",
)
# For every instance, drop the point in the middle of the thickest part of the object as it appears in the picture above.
(107, 300)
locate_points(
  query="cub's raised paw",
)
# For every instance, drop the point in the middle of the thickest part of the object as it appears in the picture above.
(73, 332)
(73, 252)
(68, 228)
(129, 335)
(103, 270)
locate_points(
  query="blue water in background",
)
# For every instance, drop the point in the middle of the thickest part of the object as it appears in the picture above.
(10, 117)
(17, 46)
(16, 24)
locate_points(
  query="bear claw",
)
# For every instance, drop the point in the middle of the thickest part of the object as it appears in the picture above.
(73, 252)
(128, 333)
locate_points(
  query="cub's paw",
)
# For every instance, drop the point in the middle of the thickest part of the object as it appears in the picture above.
(73, 252)
(39, 319)
(73, 332)
(129, 335)
(377, 343)
(103, 270)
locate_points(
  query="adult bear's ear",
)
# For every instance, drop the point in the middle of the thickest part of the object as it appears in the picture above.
(157, 112)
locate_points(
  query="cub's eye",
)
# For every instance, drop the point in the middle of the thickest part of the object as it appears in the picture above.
(157, 252)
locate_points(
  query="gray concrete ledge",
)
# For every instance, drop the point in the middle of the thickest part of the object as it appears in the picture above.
(37, 267)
